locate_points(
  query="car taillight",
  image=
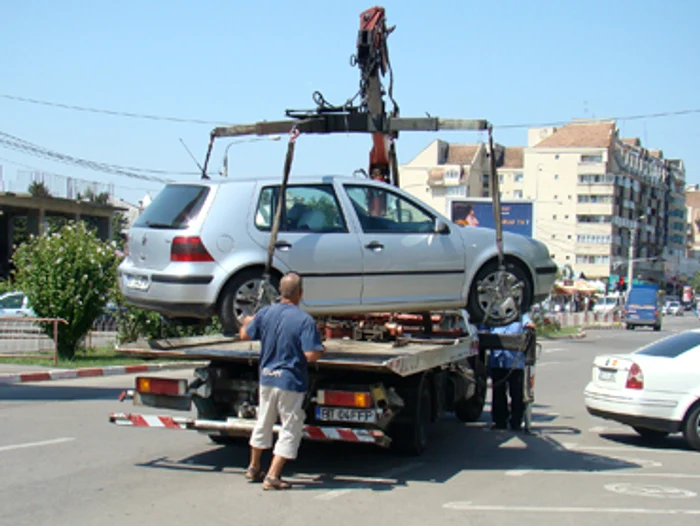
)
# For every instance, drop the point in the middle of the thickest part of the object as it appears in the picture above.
(635, 378)
(189, 249)
(163, 386)
(344, 398)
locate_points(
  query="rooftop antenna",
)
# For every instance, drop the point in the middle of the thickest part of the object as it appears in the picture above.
(204, 175)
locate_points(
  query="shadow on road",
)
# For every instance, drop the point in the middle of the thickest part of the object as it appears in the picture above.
(675, 442)
(59, 393)
(455, 448)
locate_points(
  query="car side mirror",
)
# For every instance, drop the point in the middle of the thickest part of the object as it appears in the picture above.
(441, 227)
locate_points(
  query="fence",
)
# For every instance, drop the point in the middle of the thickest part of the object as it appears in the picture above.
(23, 338)
(588, 319)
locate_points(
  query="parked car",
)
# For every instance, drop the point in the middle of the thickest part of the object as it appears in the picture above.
(362, 246)
(14, 304)
(606, 305)
(655, 389)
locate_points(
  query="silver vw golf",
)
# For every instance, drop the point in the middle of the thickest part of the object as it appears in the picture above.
(199, 250)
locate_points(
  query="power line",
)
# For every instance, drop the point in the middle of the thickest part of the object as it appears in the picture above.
(217, 123)
(111, 112)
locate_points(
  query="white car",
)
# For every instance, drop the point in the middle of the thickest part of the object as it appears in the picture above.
(13, 304)
(674, 308)
(655, 389)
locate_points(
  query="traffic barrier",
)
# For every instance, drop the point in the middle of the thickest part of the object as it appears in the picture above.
(22, 337)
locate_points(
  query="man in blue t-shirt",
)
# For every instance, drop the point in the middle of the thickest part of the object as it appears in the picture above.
(289, 340)
(507, 376)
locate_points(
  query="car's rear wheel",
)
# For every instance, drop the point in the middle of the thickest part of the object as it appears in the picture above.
(507, 293)
(691, 427)
(652, 435)
(242, 296)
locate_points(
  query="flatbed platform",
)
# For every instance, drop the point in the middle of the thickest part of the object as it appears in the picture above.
(408, 357)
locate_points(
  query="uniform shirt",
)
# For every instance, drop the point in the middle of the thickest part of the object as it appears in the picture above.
(285, 333)
(503, 359)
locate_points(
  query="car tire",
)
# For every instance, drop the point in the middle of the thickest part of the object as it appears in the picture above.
(691, 427)
(237, 299)
(652, 435)
(411, 438)
(629, 327)
(483, 290)
(470, 410)
(657, 328)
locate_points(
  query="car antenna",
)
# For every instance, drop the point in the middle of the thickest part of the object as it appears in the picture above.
(204, 175)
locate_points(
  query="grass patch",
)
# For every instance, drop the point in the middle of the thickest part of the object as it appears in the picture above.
(553, 333)
(99, 357)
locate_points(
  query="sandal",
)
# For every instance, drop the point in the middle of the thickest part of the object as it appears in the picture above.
(255, 474)
(275, 484)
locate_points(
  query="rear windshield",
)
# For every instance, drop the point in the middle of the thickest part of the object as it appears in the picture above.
(673, 346)
(175, 207)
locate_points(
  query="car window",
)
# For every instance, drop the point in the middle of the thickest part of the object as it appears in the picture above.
(672, 346)
(12, 302)
(380, 210)
(175, 207)
(308, 208)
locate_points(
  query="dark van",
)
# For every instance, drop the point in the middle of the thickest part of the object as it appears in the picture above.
(643, 307)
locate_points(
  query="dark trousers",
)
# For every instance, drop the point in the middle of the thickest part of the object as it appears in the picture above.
(507, 381)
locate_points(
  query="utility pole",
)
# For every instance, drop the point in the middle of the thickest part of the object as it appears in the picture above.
(630, 253)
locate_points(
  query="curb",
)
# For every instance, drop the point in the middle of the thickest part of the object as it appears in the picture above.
(91, 372)
(604, 327)
(581, 334)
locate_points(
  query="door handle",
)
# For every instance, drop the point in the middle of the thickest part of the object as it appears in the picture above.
(374, 245)
(283, 245)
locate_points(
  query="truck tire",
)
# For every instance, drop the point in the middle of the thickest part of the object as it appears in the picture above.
(484, 290)
(691, 427)
(237, 299)
(411, 438)
(470, 410)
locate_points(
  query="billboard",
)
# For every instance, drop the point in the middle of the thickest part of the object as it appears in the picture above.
(516, 216)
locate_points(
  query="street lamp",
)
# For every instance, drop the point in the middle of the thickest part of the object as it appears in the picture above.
(224, 169)
(630, 253)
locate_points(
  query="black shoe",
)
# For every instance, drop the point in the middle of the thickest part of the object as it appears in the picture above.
(499, 426)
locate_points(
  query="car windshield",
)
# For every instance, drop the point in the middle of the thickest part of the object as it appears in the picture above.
(13, 301)
(174, 207)
(673, 346)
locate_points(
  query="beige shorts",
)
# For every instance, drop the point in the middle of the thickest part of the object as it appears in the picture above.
(287, 405)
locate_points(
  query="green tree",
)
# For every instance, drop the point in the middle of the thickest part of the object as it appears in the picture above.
(696, 281)
(67, 274)
(38, 189)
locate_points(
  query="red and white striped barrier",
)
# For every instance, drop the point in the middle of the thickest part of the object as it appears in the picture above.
(63, 374)
(320, 433)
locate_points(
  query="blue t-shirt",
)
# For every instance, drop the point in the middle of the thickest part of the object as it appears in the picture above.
(285, 333)
(503, 359)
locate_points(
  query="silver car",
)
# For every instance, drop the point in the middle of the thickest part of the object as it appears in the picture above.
(199, 249)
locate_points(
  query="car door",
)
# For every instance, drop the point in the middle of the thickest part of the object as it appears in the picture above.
(315, 241)
(406, 263)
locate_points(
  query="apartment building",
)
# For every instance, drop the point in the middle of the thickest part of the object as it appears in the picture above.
(594, 193)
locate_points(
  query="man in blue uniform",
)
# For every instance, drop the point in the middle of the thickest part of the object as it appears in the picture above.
(507, 376)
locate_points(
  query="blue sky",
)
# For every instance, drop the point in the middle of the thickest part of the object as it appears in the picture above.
(511, 62)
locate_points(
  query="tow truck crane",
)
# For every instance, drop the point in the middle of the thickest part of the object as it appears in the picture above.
(365, 389)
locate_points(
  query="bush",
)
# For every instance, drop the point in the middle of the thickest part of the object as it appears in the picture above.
(67, 274)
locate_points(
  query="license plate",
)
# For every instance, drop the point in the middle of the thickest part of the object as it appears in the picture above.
(136, 282)
(341, 414)
(606, 376)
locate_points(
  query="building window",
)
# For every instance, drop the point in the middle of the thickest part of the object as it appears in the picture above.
(596, 179)
(598, 158)
(500, 178)
(554, 216)
(518, 194)
(568, 257)
(518, 177)
(556, 196)
(456, 191)
(591, 218)
(556, 156)
(554, 236)
(592, 259)
(556, 177)
(568, 237)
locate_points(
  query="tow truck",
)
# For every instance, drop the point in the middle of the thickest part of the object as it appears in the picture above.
(385, 377)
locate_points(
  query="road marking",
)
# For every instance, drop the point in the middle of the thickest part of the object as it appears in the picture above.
(556, 349)
(546, 364)
(655, 491)
(519, 471)
(572, 446)
(37, 444)
(468, 506)
(388, 474)
(612, 473)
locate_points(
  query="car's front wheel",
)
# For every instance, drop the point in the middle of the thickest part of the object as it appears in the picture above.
(242, 296)
(503, 293)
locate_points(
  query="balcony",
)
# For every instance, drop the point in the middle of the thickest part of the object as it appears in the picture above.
(592, 168)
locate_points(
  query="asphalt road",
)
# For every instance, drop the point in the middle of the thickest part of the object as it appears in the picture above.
(62, 463)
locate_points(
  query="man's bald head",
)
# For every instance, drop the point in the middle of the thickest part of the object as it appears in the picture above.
(291, 287)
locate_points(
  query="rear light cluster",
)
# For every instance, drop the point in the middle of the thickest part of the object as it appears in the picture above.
(344, 398)
(635, 377)
(189, 250)
(161, 386)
